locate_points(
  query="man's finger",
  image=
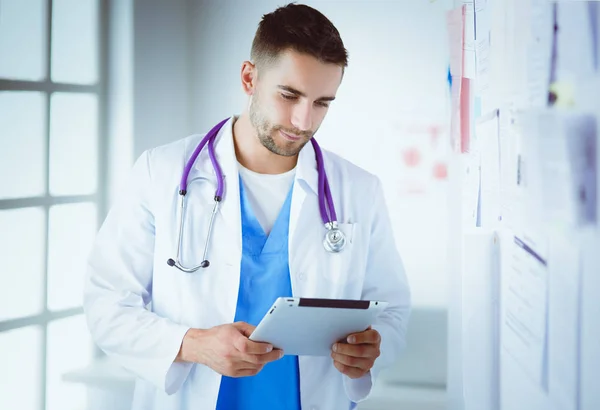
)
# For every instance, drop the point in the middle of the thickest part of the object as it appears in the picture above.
(247, 372)
(352, 372)
(358, 362)
(247, 346)
(262, 359)
(368, 336)
(363, 350)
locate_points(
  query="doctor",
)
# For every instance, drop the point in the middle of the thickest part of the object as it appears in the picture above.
(173, 292)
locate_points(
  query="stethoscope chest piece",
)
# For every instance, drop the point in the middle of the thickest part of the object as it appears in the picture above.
(334, 240)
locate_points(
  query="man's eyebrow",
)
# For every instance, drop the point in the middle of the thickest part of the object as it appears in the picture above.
(301, 94)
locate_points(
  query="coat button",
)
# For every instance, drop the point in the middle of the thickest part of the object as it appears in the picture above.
(301, 276)
(314, 407)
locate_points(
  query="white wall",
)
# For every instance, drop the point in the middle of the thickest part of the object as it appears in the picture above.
(161, 80)
(396, 79)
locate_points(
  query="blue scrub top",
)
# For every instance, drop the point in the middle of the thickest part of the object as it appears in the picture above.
(264, 276)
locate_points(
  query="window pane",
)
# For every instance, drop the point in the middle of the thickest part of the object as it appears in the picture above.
(69, 348)
(22, 234)
(74, 41)
(23, 39)
(20, 355)
(72, 230)
(22, 139)
(73, 144)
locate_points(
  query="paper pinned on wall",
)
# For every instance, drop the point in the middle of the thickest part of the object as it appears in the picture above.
(482, 44)
(594, 13)
(561, 167)
(482, 51)
(586, 94)
(524, 302)
(482, 61)
(575, 42)
(539, 53)
(498, 56)
(590, 325)
(466, 115)
(517, 34)
(470, 192)
(487, 139)
(480, 295)
(472, 164)
(455, 120)
(469, 63)
(564, 271)
(530, 52)
(511, 193)
(455, 21)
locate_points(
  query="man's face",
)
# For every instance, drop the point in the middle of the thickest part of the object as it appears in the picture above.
(291, 98)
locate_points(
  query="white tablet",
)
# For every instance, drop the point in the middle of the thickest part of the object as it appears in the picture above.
(310, 327)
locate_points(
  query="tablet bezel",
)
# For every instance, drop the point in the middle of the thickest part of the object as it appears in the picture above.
(334, 319)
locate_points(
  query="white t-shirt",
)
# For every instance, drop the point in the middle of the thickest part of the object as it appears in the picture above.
(266, 194)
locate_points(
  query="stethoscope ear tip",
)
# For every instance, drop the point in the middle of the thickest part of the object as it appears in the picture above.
(171, 262)
(204, 264)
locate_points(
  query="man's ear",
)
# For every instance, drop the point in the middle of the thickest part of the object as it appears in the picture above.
(248, 77)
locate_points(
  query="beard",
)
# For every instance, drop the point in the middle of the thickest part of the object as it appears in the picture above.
(269, 135)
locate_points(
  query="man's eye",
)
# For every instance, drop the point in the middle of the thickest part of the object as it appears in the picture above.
(288, 96)
(322, 104)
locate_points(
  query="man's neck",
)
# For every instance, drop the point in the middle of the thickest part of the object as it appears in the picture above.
(253, 155)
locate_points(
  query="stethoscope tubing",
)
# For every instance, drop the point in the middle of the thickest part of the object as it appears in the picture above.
(334, 240)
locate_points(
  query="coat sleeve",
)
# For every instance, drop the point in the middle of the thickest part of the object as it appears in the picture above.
(118, 289)
(385, 279)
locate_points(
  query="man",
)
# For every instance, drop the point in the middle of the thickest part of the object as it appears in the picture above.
(186, 335)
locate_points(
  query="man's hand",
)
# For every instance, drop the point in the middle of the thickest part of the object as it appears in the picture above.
(356, 358)
(227, 350)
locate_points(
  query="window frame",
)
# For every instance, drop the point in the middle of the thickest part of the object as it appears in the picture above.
(46, 201)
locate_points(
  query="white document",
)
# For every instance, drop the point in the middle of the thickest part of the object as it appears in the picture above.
(594, 11)
(482, 61)
(455, 22)
(511, 192)
(563, 322)
(469, 68)
(587, 92)
(471, 187)
(590, 324)
(529, 41)
(498, 53)
(482, 54)
(480, 304)
(575, 42)
(525, 305)
(561, 166)
(517, 34)
(487, 139)
(539, 53)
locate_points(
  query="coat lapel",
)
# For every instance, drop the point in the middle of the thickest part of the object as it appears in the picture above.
(304, 214)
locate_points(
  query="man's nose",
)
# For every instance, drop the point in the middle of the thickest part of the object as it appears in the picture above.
(302, 117)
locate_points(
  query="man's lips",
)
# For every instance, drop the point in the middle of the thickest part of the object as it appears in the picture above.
(290, 137)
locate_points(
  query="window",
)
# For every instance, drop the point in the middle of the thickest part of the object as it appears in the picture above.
(52, 192)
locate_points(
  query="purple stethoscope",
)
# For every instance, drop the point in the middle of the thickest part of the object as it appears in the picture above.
(334, 240)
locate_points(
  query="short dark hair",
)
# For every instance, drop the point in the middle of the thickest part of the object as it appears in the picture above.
(300, 28)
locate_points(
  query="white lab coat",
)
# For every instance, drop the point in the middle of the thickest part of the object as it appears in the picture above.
(138, 308)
